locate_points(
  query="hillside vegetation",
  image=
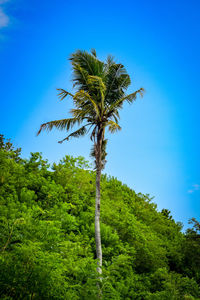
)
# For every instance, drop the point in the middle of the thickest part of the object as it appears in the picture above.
(47, 245)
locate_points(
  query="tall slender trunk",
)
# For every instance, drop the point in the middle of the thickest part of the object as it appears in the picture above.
(97, 205)
(97, 222)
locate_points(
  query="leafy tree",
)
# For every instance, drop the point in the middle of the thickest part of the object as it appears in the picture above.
(8, 148)
(47, 245)
(191, 265)
(101, 93)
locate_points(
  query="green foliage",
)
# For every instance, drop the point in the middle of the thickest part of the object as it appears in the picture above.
(47, 246)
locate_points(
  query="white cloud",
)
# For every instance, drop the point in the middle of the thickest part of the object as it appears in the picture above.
(195, 187)
(4, 19)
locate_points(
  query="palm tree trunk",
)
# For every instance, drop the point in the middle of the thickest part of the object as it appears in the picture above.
(97, 207)
(97, 222)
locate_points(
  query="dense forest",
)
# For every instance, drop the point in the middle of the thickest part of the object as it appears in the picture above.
(47, 245)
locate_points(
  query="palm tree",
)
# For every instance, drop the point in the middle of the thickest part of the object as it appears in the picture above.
(100, 94)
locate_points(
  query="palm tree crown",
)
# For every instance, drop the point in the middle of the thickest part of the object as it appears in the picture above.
(101, 91)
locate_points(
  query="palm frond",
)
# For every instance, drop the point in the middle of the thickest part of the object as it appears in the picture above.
(79, 113)
(96, 82)
(109, 61)
(113, 126)
(129, 98)
(80, 77)
(79, 132)
(115, 116)
(59, 124)
(63, 94)
(132, 97)
(88, 62)
(98, 88)
(117, 81)
(93, 51)
(83, 100)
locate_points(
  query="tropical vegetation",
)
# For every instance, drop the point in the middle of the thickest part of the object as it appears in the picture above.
(47, 244)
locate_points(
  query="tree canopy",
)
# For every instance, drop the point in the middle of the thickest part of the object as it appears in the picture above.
(47, 245)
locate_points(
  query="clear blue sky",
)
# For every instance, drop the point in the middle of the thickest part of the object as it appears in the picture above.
(157, 152)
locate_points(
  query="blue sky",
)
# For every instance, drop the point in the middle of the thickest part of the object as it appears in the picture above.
(157, 152)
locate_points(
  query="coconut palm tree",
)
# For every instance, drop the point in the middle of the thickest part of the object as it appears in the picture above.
(100, 94)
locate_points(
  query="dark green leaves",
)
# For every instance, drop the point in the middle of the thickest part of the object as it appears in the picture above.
(47, 236)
